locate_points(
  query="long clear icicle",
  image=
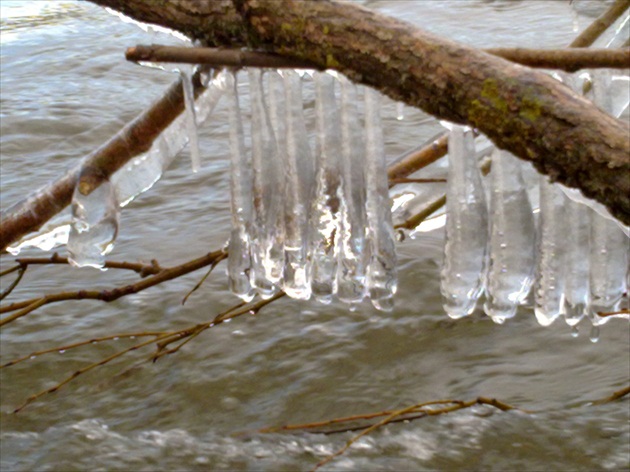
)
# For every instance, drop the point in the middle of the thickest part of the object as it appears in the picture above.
(353, 256)
(94, 224)
(512, 239)
(609, 244)
(382, 280)
(267, 248)
(576, 263)
(549, 286)
(191, 120)
(325, 209)
(608, 266)
(465, 248)
(239, 261)
(296, 281)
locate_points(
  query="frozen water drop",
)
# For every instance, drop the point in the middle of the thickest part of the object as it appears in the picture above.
(32, 357)
(61, 351)
(594, 335)
(95, 215)
(575, 331)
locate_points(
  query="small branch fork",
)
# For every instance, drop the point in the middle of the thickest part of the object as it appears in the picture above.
(410, 413)
(158, 275)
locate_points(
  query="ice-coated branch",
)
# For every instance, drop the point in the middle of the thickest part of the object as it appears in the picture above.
(30, 213)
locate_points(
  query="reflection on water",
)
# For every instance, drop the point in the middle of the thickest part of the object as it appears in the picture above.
(294, 362)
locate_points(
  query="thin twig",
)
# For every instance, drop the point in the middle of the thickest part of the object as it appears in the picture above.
(569, 60)
(601, 24)
(614, 397)
(614, 313)
(142, 269)
(114, 294)
(67, 347)
(405, 180)
(214, 264)
(83, 370)
(214, 57)
(10, 288)
(454, 406)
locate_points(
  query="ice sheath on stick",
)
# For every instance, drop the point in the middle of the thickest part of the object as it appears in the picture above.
(297, 192)
(325, 208)
(382, 280)
(267, 249)
(549, 285)
(465, 247)
(512, 239)
(94, 223)
(352, 257)
(143, 171)
(239, 261)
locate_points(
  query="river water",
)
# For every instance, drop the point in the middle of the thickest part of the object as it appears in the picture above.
(66, 88)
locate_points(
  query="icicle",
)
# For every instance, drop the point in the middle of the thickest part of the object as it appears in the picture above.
(325, 209)
(94, 221)
(382, 279)
(353, 257)
(466, 242)
(239, 261)
(609, 244)
(512, 236)
(191, 120)
(297, 283)
(608, 267)
(267, 247)
(576, 265)
(142, 172)
(400, 111)
(549, 286)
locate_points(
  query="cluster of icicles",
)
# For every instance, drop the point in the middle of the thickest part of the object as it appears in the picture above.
(574, 259)
(311, 224)
(318, 224)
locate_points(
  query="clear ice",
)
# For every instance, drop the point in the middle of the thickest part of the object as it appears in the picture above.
(143, 171)
(609, 243)
(296, 283)
(239, 261)
(191, 120)
(267, 248)
(352, 256)
(608, 266)
(465, 248)
(324, 223)
(94, 224)
(576, 264)
(549, 285)
(382, 279)
(512, 239)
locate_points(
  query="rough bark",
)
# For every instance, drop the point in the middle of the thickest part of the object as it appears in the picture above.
(521, 110)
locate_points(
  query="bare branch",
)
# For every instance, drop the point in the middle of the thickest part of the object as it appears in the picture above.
(569, 60)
